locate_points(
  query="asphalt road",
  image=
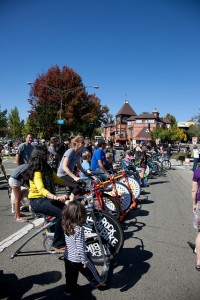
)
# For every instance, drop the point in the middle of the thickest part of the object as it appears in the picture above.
(155, 263)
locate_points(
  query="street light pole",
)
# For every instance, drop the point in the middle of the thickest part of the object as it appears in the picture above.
(63, 93)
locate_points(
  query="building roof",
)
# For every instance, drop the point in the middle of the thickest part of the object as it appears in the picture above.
(126, 110)
(132, 118)
(166, 121)
(144, 134)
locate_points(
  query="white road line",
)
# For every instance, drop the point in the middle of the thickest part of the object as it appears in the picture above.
(20, 233)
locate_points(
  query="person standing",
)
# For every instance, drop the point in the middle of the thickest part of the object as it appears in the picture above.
(16, 180)
(24, 150)
(196, 154)
(196, 212)
(75, 257)
(53, 154)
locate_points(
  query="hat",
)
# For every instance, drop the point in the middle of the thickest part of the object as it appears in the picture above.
(142, 142)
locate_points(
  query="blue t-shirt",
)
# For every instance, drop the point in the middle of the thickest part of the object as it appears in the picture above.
(73, 159)
(24, 151)
(97, 155)
(86, 166)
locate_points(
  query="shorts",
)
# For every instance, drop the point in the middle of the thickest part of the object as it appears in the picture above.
(13, 183)
(196, 217)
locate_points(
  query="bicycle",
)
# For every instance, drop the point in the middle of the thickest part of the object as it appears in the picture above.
(103, 234)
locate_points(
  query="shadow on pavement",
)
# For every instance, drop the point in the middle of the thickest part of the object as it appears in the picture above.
(158, 182)
(13, 288)
(134, 265)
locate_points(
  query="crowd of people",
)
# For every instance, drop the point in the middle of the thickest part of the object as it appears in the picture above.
(42, 166)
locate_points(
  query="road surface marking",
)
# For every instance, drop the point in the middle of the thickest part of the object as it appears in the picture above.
(20, 233)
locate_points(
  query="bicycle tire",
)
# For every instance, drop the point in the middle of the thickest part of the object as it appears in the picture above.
(123, 193)
(110, 231)
(167, 164)
(48, 243)
(134, 185)
(111, 205)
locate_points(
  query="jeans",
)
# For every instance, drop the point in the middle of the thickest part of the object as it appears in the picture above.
(51, 208)
(195, 164)
(99, 172)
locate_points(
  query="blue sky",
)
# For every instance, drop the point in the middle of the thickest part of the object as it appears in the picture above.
(145, 51)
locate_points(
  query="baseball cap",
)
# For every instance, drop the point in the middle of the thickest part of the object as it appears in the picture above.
(142, 142)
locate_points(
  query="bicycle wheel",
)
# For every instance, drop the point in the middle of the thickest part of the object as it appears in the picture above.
(123, 193)
(48, 243)
(167, 164)
(134, 185)
(111, 233)
(111, 205)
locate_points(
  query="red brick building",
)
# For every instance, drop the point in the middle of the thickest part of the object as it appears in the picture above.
(130, 126)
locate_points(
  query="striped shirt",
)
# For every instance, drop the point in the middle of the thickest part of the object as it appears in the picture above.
(75, 249)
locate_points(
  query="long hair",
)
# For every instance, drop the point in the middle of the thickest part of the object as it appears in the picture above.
(73, 214)
(38, 160)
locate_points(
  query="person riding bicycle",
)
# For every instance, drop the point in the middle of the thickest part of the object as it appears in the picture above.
(98, 161)
(42, 192)
(70, 160)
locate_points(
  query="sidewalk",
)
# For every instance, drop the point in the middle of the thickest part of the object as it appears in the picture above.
(184, 166)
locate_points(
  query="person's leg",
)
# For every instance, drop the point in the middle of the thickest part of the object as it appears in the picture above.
(90, 273)
(71, 276)
(99, 172)
(195, 164)
(198, 249)
(47, 207)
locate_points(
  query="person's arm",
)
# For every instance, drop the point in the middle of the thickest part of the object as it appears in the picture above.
(43, 191)
(194, 194)
(17, 158)
(102, 167)
(67, 170)
(80, 246)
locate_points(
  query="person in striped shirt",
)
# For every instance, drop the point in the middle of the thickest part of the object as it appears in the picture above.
(75, 257)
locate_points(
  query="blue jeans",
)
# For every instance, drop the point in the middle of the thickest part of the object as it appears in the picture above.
(195, 164)
(53, 209)
(99, 172)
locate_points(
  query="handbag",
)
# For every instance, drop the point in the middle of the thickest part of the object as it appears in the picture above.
(196, 216)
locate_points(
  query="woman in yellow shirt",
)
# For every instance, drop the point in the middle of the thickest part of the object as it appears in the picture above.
(42, 191)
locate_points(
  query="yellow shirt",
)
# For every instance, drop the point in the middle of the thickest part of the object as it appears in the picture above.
(37, 189)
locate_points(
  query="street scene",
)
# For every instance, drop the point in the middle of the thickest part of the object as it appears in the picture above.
(156, 260)
(100, 150)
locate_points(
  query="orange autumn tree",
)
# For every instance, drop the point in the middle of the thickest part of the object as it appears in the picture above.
(60, 94)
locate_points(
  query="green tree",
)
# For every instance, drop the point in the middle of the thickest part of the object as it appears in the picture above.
(170, 135)
(171, 118)
(3, 122)
(14, 123)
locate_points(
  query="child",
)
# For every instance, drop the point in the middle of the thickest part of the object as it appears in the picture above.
(75, 257)
(109, 162)
(143, 166)
(128, 156)
(85, 165)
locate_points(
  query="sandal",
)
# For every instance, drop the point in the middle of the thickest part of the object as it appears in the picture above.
(21, 220)
(58, 250)
(197, 267)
